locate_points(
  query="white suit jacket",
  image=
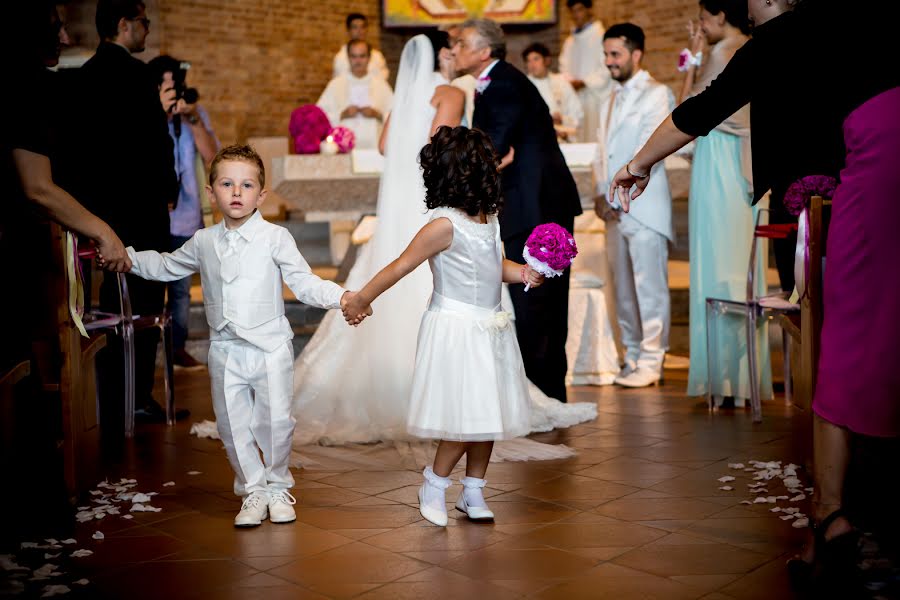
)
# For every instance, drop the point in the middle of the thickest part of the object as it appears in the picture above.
(252, 303)
(640, 105)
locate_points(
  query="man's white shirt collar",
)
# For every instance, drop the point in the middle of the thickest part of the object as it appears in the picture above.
(637, 81)
(484, 74)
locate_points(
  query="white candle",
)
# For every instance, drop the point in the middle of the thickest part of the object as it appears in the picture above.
(328, 146)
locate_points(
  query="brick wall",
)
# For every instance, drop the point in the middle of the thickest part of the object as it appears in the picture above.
(256, 60)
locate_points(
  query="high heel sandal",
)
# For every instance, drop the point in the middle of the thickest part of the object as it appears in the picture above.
(833, 559)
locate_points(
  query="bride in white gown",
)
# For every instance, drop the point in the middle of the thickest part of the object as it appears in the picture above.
(353, 384)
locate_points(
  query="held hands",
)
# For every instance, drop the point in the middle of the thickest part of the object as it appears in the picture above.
(350, 112)
(621, 184)
(354, 309)
(111, 254)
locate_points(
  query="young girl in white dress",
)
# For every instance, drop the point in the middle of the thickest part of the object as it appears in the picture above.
(469, 386)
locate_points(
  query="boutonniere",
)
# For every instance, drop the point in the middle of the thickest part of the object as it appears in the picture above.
(482, 84)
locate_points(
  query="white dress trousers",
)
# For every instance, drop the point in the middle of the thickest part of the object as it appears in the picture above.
(639, 258)
(252, 395)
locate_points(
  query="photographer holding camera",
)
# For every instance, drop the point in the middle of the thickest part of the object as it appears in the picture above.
(195, 146)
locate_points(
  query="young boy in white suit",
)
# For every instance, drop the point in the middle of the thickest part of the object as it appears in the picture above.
(242, 261)
(637, 242)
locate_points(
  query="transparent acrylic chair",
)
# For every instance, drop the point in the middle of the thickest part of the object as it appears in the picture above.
(124, 325)
(756, 312)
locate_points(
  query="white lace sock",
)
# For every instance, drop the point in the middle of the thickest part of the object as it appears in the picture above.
(472, 490)
(434, 489)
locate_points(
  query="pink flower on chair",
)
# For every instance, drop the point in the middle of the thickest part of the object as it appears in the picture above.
(798, 194)
(308, 127)
(344, 138)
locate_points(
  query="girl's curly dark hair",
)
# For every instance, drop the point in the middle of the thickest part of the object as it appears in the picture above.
(460, 170)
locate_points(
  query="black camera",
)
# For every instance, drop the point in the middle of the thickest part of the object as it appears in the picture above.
(182, 92)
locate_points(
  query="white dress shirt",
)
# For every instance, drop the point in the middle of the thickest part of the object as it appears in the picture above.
(241, 275)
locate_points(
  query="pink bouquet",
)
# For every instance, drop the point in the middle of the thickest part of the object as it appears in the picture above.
(308, 127)
(344, 138)
(549, 250)
(798, 194)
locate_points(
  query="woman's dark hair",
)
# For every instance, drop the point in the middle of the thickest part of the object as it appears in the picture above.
(460, 171)
(735, 12)
(439, 39)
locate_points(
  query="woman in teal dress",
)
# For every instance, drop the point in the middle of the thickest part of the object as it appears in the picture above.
(721, 219)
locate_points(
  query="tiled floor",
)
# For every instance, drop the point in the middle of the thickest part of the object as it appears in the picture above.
(637, 514)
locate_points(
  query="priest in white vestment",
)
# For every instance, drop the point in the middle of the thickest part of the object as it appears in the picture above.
(557, 92)
(358, 100)
(582, 62)
(357, 28)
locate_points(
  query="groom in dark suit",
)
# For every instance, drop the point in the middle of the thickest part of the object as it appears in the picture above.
(537, 188)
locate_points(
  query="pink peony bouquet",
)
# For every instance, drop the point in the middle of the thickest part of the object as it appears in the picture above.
(798, 194)
(549, 250)
(344, 138)
(308, 127)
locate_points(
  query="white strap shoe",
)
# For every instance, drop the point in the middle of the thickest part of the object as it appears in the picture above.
(432, 497)
(281, 506)
(254, 510)
(471, 500)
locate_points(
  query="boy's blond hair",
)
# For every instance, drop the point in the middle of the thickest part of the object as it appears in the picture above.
(243, 153)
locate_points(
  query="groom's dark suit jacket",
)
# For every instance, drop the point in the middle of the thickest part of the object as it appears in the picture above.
(538, 186)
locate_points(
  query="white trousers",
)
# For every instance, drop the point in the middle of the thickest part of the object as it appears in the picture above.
(639, 259)
(252, 394)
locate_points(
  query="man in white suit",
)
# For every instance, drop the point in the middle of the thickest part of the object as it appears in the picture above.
(637, 242)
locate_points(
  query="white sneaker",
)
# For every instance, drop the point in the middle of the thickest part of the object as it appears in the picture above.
(431, 497)
(471, 500)
(281, 506)
(640, 377)
(254, 510)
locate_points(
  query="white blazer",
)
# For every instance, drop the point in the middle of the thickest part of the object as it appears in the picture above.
(641, 104)
(266, 254)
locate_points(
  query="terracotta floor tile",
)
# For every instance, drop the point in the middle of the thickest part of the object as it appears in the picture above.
(285, 591)
(575, 487)
(637, 513)
(646, 509)
(506, 563)
(706, 583)
(353, 563)
(162, 579)
(769, 582)
(591, 535)
(693, 559)
(360, 517)
(418, 538)
(612, 581)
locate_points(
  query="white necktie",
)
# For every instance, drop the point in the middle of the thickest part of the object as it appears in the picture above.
(230, 265)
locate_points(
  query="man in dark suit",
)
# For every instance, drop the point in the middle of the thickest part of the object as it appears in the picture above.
(123, 169)
(537, 188)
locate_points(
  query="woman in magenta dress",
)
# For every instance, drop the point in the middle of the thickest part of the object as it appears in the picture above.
(817, 109)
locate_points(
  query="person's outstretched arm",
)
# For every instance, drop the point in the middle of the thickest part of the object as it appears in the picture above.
(435, 237)
(37, 182)
(308, 287)
(165, 266)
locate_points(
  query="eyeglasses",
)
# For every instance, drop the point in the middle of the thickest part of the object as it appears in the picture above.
(143, 21)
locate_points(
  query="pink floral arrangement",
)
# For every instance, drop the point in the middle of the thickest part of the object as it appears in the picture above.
(550, 250)
(798, 194)
(308, 127)
(344, 138)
